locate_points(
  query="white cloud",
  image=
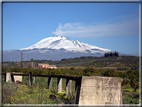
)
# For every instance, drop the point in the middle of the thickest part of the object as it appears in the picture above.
(124, 28)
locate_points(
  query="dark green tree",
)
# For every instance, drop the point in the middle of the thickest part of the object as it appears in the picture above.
(134, 79)
(110, 73)
(88, 71)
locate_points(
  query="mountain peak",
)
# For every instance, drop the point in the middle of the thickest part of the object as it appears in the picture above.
(57, 42)
(60, 36)
(58, 46)
(57, 36)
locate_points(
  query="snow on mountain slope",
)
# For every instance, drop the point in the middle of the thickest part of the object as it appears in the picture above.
(61, 42)
(55, 48)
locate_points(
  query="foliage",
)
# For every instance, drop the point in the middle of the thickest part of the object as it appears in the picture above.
(111, 54)
(134, 79)
(7, 90)
(134, 84)
(88, 71)
(37, 94)
(133, 74)
(4, 70)
(15, 69)
(125, 82)
(129, 96)
(85, 61)
(129, 100)
(122, 74)
(72, 68)
(110, 73)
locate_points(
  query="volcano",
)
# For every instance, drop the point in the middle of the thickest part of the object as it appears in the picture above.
(55, 48)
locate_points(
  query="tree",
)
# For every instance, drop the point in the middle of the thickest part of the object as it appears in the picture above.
(134, 84)
(134, 79)
(115, 54)
(111, 54)
(88, 71)
(110, 73)
(72, 68)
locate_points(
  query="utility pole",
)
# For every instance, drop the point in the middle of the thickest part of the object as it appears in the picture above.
(21, 60)
(32, 65)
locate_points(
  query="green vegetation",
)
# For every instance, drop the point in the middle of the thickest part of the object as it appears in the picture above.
(38, 93)
(14, 93)
(86, 61)
(130, 85)
(129, 96)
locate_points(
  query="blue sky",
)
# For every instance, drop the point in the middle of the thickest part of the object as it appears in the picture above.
(113, 26)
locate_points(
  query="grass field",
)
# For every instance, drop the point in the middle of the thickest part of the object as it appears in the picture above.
(38, 93)
(44, 81)
(14, 93)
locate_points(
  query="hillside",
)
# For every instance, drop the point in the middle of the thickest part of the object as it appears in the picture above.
(90, 61)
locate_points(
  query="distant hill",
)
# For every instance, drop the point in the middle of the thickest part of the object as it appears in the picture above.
(85, 61)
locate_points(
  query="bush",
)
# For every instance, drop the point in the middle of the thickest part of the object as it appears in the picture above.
(36, 94)
(15, 69)
(72, 68)
(121, 74)
(4, 70)
(88, 71)
(110, 73)
(129, 100)
(134, 79)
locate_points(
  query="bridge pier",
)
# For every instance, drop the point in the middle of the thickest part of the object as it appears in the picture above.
(59, 85)
(98, 90)
(8, 77)
(30, 79)
(68, 87)
(49, 83)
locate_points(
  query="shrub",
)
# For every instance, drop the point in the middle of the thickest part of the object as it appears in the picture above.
(129, 100)
(121, 74)
(72, 68)
(4, 70)
(110, 73)
(15, 69)
(88, 71)
(134, 79)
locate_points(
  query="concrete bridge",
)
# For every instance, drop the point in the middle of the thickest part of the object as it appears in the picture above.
(88, 89)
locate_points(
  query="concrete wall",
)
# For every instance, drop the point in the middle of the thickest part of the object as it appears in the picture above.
(100, 90)
(16, 78)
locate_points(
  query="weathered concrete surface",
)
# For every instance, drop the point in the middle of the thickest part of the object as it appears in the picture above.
(8, 77)
(68, 87)
(49, 83)
(100, 90)
(59, 85)
(16, 77)
(30, 79)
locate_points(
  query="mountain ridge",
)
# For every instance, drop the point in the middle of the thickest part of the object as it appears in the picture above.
(58, 42)
(55, 48)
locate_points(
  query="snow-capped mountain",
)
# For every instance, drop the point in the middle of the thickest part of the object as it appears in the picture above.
(55, 48)
(61, 42)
